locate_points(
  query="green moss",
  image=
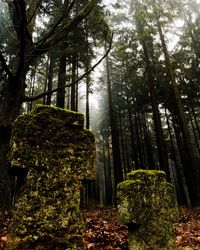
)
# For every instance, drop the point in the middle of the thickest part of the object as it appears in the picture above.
(58, 154)
(48, 129)
(71, 117)
(147, 204)
(128, 183)
(143, 174)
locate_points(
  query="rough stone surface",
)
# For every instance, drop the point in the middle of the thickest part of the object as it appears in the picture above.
(147, 204)
(58, 153)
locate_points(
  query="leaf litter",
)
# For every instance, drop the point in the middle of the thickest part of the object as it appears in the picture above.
(103, 232)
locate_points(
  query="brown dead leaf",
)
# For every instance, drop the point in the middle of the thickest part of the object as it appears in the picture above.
(5, 238)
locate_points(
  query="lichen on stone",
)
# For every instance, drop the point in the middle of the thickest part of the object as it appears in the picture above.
(147, 204)
(58, 153)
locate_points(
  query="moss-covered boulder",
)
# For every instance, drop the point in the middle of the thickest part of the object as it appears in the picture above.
(147, 204)
(58, 153)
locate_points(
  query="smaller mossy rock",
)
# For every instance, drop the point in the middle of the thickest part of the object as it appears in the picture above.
(51, 144)
(147, 175)
(147, 204)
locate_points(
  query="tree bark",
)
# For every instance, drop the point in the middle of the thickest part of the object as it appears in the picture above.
(192, 166)
(9, 110)
(32, 86)
(87, 103)
(133, 141)
(50, 78)
(148, 145)
(122, 145)
(195, 118)
(161, 144)
(195, 133)
(117, 166)
(181, 168)
(60, 98)
(139, 143)
(73, 87)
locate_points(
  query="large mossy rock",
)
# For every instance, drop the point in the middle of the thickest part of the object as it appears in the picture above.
(51, 144)
(147, 204)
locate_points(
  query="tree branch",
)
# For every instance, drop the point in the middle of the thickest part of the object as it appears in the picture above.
(17, 10)
(55, 38)
(22, 35)
(34, 98)
(9, 32)
(52, 31)
(31, 14)
(4, 65)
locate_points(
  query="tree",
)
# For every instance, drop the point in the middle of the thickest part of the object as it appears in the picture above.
(172, 85)
(23, 15)
(117, 165)
(60, 98)
(193, 174)
(144, 38)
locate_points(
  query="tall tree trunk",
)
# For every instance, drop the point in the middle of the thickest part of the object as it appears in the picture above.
(14, 93)
(46, 81)
(32, 86)
(105, 173)
(160, 141)
(5, 187)
(9, 110)
(77, 87)
(141, 135)
(192, 173)
(161, 144)
(87, 65)
(173, 151)
(141, 164)
(87, 103)
(194, 132)
(195, 118)
(182, 167)
(68, 98)
(133, 141)
(109, 180)
(60, 99)
(73, 87)
(87, 97)
(179, 168)
(122, 145)
(148, 145)
(117, 166)
(50, 77)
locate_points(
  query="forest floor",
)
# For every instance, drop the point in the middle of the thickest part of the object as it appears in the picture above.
(103, 232)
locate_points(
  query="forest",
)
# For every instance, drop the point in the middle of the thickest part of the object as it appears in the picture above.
(131, 67)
